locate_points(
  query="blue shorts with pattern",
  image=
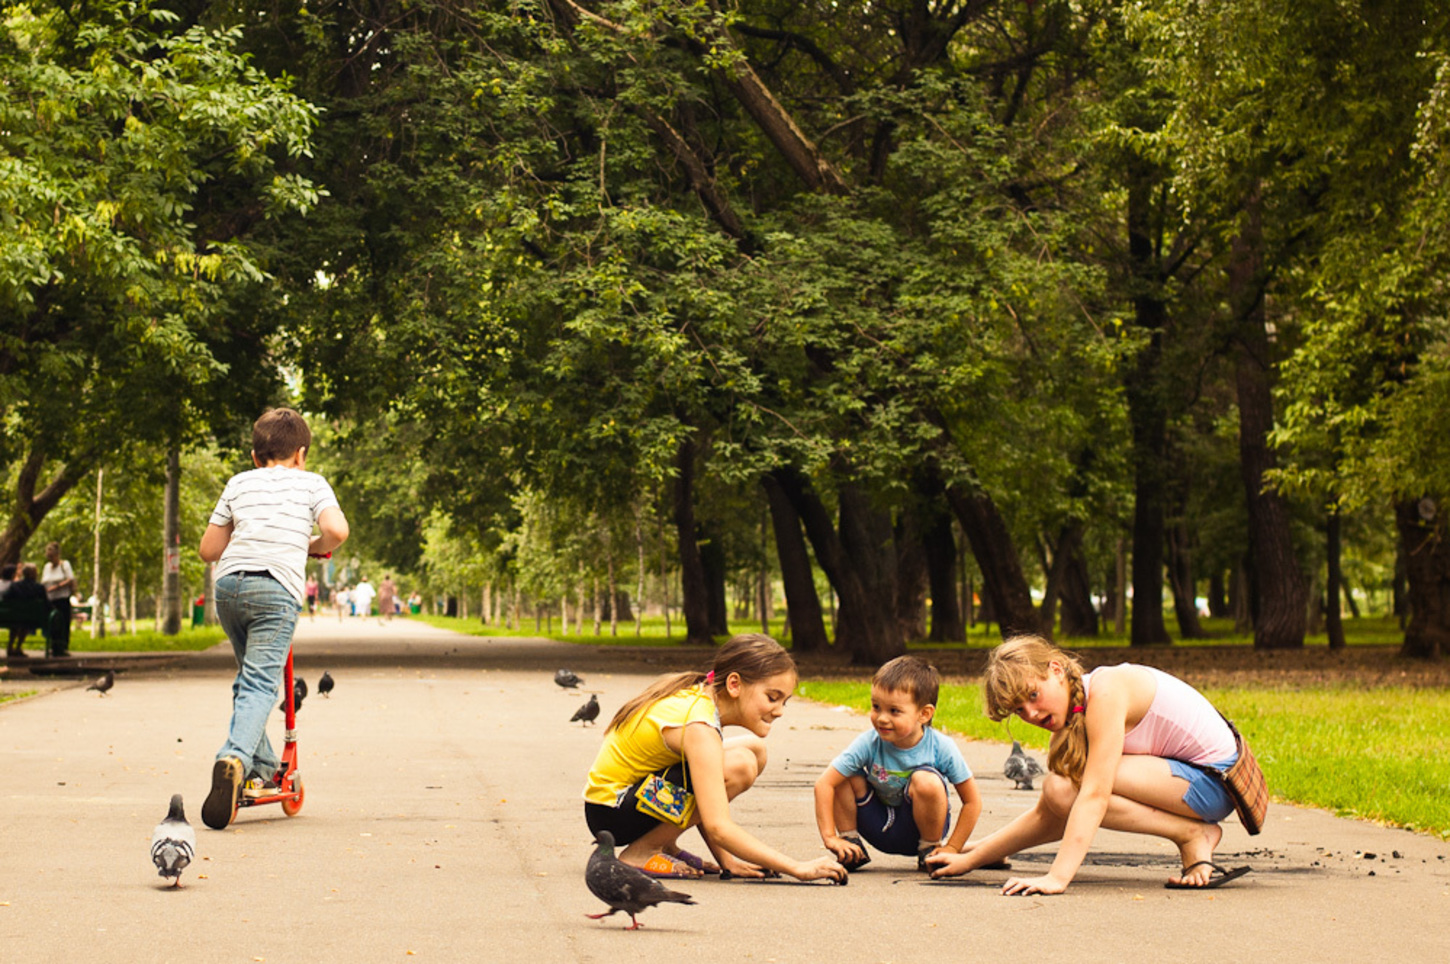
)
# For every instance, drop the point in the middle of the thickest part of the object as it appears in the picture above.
(893, 830)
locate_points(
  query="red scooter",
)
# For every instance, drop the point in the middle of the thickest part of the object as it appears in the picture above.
(289, 792)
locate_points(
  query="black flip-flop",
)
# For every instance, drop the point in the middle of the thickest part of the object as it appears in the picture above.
(1217, 878)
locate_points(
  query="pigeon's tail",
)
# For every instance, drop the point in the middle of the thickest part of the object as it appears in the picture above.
(676, 897)
(171, 857)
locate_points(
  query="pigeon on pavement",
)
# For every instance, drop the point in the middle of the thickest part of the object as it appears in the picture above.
(587, 713)
(105, 682)
(173, 843)
(299, 693)
(622, 887)
(1021, 768)
(324, 685)
(567, 679)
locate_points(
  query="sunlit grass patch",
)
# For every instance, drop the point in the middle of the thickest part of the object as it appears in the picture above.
(147, 641)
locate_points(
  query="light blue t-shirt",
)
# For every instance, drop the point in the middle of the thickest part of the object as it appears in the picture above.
(888, 769)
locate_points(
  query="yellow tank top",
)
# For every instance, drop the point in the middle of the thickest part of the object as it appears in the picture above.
(637, 748)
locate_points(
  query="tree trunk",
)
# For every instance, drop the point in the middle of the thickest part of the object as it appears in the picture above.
(712, 558)
(1183, 583)
(870, 627)
(1399, 587)
(1079, 617)
(1003, 581)
(639, 582)
(941, 567)
(866, 625)
(171, 579)
(911, 574)
(1056, 560)
(802, 604)
(1148, 416)
(1218, 606)
(1422, 528)
(696, 603)
(29, 508)
(1333, 618)
(98, 612)
(1279, 584)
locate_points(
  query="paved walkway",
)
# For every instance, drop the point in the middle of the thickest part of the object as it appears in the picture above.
(443, 823)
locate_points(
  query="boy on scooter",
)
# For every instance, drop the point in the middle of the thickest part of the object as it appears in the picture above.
(260, 535)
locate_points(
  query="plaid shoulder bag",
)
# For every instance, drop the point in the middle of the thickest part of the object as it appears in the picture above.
(1245, 784)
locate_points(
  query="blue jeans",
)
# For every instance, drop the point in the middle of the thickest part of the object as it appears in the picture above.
(259, 616)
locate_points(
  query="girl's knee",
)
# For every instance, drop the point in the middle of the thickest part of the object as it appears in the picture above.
(744, 762)
(1058, 794)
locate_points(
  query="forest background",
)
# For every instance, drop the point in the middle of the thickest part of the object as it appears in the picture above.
(1058, 315)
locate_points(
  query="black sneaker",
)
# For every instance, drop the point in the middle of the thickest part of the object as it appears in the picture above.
(863, 860)
(220, 807)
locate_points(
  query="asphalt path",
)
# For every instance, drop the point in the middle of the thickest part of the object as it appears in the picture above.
(443, 821)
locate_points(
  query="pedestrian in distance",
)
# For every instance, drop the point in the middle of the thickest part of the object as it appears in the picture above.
(1127, 745)
(260, 535)
(59, 581)
(665, 767)
(27, 587)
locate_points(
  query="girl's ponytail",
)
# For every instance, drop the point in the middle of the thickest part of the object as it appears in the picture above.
(1068, 755)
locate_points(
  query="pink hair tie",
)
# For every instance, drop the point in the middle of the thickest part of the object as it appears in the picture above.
(1077, 709)
(710, 678)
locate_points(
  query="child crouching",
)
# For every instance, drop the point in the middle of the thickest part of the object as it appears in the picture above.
(890, 785)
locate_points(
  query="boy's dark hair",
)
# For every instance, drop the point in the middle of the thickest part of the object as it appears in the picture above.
(28, 571)
(278, 434)
(910, 674)
(7, 571)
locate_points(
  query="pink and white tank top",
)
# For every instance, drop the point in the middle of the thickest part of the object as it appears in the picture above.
(1181, 724)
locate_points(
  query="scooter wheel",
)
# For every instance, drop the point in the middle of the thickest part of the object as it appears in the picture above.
(292, 805)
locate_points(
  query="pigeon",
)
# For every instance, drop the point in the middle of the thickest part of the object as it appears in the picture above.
(1020, 767)
(173, 843)
(567, 679)
(299, 693)
(324, 685)
(622, 887)
(587, 713)
(105, 682)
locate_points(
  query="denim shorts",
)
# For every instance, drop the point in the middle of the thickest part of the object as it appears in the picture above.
(1206, 795)
(893, 830)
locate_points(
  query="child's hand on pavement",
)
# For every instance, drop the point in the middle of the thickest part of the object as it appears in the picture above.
(947, 864)
(844, 850)
(1023, 886)
(820, 869)
(739, 868)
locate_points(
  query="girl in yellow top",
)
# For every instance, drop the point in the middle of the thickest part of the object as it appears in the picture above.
(674, 728)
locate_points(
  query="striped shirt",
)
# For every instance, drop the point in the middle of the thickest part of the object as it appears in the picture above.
(271, 512)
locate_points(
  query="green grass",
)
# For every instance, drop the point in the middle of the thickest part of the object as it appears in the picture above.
(1365, 631)
(147, 641)
(1380, 753)
(652, 632)
(7, 697)
(1368, 631)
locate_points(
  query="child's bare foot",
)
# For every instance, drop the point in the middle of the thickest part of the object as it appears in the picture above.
(1197, 856)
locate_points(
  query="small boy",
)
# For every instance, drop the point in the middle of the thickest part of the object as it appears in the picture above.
(260, 534)
(891, 783)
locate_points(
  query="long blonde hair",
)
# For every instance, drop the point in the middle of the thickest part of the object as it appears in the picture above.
(1013, 669)
(752, 656)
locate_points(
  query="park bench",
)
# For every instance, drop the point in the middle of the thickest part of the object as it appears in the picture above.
(27, 614)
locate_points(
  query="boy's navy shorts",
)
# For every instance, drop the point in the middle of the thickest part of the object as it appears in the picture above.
(893, 830)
